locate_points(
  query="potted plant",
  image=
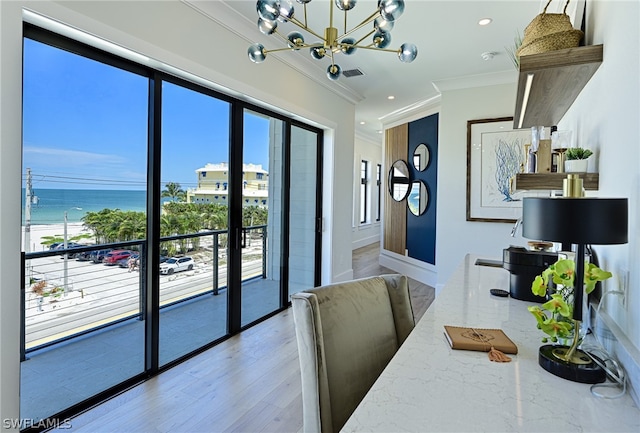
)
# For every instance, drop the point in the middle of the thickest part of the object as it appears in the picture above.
(554, 316)
(576, 160)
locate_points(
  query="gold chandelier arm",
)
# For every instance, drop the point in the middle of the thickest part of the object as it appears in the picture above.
(369, 47)
(331, 16)
(304, 27)
(345, 21)
(366, 21)
(305, 15)
(287, 48)
(364, 37)
(281, 36)
(275, 50)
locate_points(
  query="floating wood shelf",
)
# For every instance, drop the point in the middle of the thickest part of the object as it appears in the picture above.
(552, 181)
(557, 78)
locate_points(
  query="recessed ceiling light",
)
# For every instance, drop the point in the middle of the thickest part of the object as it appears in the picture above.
(391, 97)
(485, 21)
(379, 131)
(362, 123)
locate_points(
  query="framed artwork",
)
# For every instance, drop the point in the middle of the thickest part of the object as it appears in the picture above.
(495, 153)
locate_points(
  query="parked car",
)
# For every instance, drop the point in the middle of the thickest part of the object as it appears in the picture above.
(60, 245)
(124, 263)
(114, 256)
(84, 256)
(176, 264)
(70, 246)
(97, 256)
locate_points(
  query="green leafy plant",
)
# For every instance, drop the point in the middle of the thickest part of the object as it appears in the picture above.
(512, 50)
(554, 316)
(578, 153)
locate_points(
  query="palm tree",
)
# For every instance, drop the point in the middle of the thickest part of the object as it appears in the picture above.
(132, 226)
(169, 226)
(174, 191)
(214, 216)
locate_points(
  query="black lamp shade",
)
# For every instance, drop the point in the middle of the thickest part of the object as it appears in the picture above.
(584, 220)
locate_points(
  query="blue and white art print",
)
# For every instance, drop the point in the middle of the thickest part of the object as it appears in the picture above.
(495, 154)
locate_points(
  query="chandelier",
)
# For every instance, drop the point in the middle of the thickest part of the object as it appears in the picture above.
(272, 12)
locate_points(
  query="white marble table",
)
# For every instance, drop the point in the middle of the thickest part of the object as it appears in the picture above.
(428, 387)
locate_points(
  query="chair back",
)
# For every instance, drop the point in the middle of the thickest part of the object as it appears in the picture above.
(346, 334)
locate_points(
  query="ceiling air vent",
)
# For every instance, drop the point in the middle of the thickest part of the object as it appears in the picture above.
(352, 73)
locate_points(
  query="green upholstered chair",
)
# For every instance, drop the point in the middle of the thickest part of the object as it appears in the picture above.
(347, 333)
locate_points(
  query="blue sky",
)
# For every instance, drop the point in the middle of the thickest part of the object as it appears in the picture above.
(85, 126)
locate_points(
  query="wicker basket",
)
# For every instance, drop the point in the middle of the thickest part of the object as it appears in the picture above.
(549, 32)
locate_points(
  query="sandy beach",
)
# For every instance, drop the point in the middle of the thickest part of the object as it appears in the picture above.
(42, 230)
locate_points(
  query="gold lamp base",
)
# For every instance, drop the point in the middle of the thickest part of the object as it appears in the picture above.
(552, 359)
(578, 357)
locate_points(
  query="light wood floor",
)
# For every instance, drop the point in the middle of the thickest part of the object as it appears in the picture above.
(249, 383)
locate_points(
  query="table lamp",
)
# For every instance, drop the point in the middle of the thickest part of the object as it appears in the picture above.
(579, 221)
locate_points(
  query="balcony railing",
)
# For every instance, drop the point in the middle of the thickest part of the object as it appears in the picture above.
(66, 296)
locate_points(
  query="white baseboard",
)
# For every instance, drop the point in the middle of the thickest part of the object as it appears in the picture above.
(412, 268)
(345, 276)
(366, 241)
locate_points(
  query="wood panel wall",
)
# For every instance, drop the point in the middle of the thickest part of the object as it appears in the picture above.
(395, 213)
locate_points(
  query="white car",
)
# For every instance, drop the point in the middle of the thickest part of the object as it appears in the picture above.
(176, 264)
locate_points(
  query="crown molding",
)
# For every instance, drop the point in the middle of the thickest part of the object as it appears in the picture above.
(411, 110)
(482, 80)
(375, 139)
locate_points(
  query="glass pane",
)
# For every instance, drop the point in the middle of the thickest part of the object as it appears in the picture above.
(363, 191)
(302, 219)
(193, 272)
(84, 156)
(261, 215)
(378, 191)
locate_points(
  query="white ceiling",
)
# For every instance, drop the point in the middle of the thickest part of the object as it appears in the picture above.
(450, 43)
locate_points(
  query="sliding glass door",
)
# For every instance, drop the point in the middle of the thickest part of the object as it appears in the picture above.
(304, 209)
(84, 185)
(261, 215)
(193, 220)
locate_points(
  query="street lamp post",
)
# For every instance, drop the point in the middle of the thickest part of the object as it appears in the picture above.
(66, 256)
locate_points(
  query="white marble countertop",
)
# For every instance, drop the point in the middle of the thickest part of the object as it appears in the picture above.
(428, 386)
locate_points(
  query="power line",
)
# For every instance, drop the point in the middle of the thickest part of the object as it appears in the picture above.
(70, 179)
(97, 181)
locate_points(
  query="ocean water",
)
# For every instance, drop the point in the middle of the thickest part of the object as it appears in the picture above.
(50, 204)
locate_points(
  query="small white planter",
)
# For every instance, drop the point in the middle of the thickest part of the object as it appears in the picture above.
(576, 166)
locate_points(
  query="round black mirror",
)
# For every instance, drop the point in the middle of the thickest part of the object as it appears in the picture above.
(418, 198)
(421, 157)
(399, 180)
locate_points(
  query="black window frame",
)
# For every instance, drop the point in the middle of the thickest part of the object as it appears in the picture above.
(379, 188)
(152, 243)
(364, 174)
